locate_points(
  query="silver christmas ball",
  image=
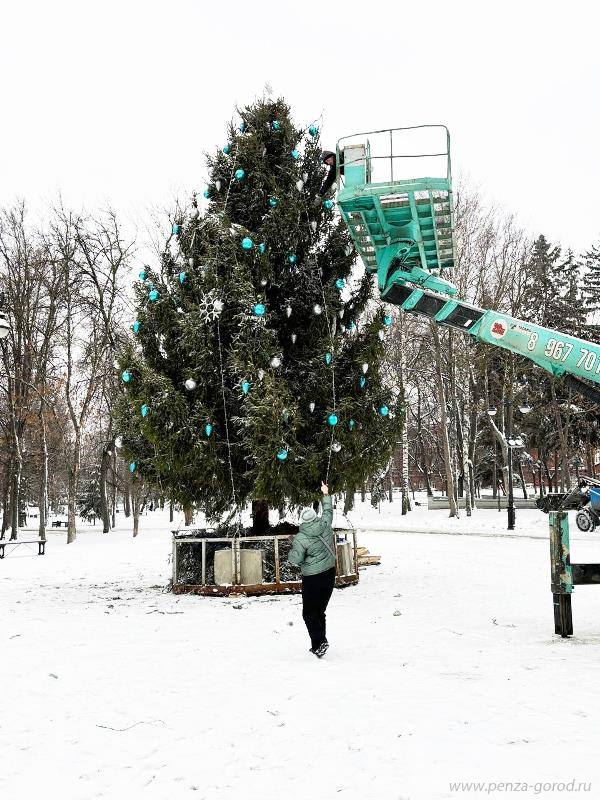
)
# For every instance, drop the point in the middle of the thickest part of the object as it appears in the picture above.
(119, 442)
(299, 185)
(317, 309)
(311, 405)
(305, 176)
(381, 335)
(261, 374)
(263, 282)
(336, 447)
(190, 384)
(313, 225)
(341, 313)
(275, 361)
(288, 311)
(365, 368)
(191, 262)
(218, 186)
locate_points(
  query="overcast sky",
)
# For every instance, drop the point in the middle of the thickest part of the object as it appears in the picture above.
(118, 101)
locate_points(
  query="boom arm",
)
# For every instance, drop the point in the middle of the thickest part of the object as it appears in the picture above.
(403, 231)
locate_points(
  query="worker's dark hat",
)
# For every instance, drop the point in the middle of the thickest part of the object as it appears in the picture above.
(326, 154)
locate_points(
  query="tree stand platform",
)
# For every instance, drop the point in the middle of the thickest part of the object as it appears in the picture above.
(218, 566)
(565, 576)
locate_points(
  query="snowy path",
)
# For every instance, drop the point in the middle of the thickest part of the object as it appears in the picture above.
(114, 688)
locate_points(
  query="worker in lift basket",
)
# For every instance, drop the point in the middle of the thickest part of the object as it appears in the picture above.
(313, 552)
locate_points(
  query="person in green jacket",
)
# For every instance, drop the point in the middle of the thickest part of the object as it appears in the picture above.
(313, 551)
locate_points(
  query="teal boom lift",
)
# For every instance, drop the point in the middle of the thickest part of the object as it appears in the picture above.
(403, 231)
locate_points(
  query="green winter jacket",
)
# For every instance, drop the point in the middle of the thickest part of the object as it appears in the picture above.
(313, 547)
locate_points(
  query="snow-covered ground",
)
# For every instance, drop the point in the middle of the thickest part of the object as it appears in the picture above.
(443, 668)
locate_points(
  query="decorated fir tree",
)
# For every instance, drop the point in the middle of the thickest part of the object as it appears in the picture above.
(255, 368)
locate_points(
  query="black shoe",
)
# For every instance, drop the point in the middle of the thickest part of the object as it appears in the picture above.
(321, 649)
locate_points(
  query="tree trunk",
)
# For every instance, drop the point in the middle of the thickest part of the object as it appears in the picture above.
(6, 499)
(171, 511)
(104, 465)
(72, 490)
(349, 499)
(444, 423)
(522, 476)
(188, 515)
(43, 493)
(260, 517)
(15, 494)
(126, 495)
(113, 470)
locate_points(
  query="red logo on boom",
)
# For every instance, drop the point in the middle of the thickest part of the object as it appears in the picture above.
(498, 329)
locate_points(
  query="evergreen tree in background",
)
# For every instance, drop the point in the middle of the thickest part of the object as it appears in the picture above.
(256, 370)
(591, 292)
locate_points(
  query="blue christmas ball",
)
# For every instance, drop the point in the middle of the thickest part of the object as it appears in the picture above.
(143, 275)
(243, 126)
(153, 295)
(206, 193)
(132, 467)
(328, 358)
(351, 326)
(208, 428)
(262, 247)
(313, 130)
(384, 411)
(227, 149)
(239, 174)
(328, 204)
(245, 387)
(182, 277)
(275, 125)
(332, 419)
(126, 376)
(176, 229)
(292, 258)
(295, 155)
(282, 454)
(136, 326)
(351, 424)
(273, 201)
(259, 310)
(362, 381)
(247, 243)
(387, 320)
(144, 410)
(340, 283)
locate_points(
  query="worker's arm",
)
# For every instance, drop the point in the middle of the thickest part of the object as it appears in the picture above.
(298, 552)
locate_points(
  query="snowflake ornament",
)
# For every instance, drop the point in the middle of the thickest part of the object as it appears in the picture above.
(210, 307)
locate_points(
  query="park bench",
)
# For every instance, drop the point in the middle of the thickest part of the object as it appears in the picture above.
(41, 543)
(56, 523)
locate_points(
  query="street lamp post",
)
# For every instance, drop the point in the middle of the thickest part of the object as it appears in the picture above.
(510, 505)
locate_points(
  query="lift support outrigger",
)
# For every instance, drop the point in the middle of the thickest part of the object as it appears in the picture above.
(403, 230)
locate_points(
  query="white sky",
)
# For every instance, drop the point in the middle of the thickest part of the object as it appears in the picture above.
(117, 101)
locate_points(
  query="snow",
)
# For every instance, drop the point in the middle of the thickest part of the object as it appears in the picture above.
(443, 667)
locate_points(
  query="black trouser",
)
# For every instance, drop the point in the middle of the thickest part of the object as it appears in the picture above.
(316, 591)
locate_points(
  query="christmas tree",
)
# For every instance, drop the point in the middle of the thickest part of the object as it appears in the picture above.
(255, 370)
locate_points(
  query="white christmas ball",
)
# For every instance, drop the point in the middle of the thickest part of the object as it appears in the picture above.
(317, 309)
(190, 384)
(218, 186)
(365, 368)
(311, 405)
(336, 447)
(313, 225)
(288, 311)
(299, 185)
(261, 374)
(275, 361)
(191, 262)
(381, 335)
(341, 313)
(305, 176)
(119, 442)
